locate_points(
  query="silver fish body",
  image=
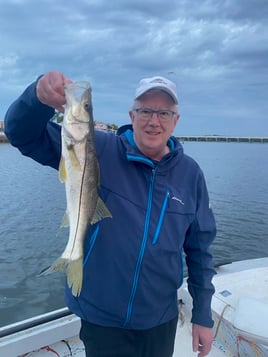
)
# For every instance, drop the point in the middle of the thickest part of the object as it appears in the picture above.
(79, 170)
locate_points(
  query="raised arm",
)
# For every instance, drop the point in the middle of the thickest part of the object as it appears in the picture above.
(27, 121)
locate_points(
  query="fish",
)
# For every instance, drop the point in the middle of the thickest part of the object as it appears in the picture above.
(79, 171)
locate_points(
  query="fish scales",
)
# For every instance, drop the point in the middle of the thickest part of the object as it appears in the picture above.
(79, 170)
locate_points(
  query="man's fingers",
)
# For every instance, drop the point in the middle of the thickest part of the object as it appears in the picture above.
(50, 89)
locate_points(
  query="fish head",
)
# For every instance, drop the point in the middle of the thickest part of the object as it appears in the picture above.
(78, 102)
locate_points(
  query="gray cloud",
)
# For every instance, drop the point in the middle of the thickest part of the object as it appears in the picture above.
(215, 51)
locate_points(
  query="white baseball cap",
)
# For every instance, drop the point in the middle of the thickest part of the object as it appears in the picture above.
(157, 82)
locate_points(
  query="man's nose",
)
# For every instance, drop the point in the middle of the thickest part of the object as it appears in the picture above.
(154, 119)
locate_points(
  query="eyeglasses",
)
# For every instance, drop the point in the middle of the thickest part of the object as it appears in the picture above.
(164, 115)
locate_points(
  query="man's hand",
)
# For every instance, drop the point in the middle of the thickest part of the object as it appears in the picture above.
(202, 339)
(50, 90)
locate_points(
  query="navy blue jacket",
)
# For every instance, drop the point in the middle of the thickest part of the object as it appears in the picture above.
(133, 262)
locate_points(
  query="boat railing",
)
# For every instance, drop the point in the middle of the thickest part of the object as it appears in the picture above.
(34, 321)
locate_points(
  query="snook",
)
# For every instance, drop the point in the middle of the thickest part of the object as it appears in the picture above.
(79, 170)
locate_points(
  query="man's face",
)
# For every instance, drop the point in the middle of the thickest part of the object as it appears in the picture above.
(151, 133)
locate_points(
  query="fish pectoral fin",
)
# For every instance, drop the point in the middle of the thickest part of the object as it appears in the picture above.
(62, 170)
(73, 158)
(101, 212)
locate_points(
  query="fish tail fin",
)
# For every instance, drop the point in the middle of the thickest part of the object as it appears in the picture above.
(75, 275)
(59, 265)
(101, 211)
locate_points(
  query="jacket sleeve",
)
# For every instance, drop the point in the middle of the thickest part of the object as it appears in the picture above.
(28, 128)
(199, 260)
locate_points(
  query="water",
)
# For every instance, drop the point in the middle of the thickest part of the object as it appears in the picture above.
(33, 204)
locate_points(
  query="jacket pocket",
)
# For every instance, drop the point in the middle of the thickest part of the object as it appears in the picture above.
(90, 244)
(175, 218)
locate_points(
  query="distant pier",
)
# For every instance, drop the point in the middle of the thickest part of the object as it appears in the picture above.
(204, 138)
(226, 139)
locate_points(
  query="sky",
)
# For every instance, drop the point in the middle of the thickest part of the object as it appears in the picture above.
(216, 52)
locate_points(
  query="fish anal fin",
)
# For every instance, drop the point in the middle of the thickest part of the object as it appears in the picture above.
(64, 223)
(74, 272)
(65, 220)
(62, 170)
(59, 265)
(101, 212)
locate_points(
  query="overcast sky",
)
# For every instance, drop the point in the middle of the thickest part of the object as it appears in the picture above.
(216, 51)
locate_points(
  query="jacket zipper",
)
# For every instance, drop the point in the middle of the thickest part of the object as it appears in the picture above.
(142, 250)
(159, 225)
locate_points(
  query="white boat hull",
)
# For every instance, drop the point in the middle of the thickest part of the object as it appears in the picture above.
(239, 307)
(56, 333)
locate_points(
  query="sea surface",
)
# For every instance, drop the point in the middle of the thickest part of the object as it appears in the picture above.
(32, 204)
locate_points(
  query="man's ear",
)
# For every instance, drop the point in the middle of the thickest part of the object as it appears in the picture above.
(131, 115)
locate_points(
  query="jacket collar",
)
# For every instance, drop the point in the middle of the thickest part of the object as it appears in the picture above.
(134, 154)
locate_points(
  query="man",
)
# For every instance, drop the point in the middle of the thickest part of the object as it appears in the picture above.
(159, 202)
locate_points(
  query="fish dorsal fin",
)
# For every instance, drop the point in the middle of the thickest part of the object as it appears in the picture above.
(101, 212)
(62, 170)
(73, 158)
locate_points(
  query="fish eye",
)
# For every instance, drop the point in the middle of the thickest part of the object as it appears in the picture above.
(87, 107)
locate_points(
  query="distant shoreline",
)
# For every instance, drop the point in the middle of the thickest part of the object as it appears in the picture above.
(224, 139)
(3, 138)
(202, 138)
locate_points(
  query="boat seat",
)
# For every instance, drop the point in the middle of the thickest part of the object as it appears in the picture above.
(251, 317)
